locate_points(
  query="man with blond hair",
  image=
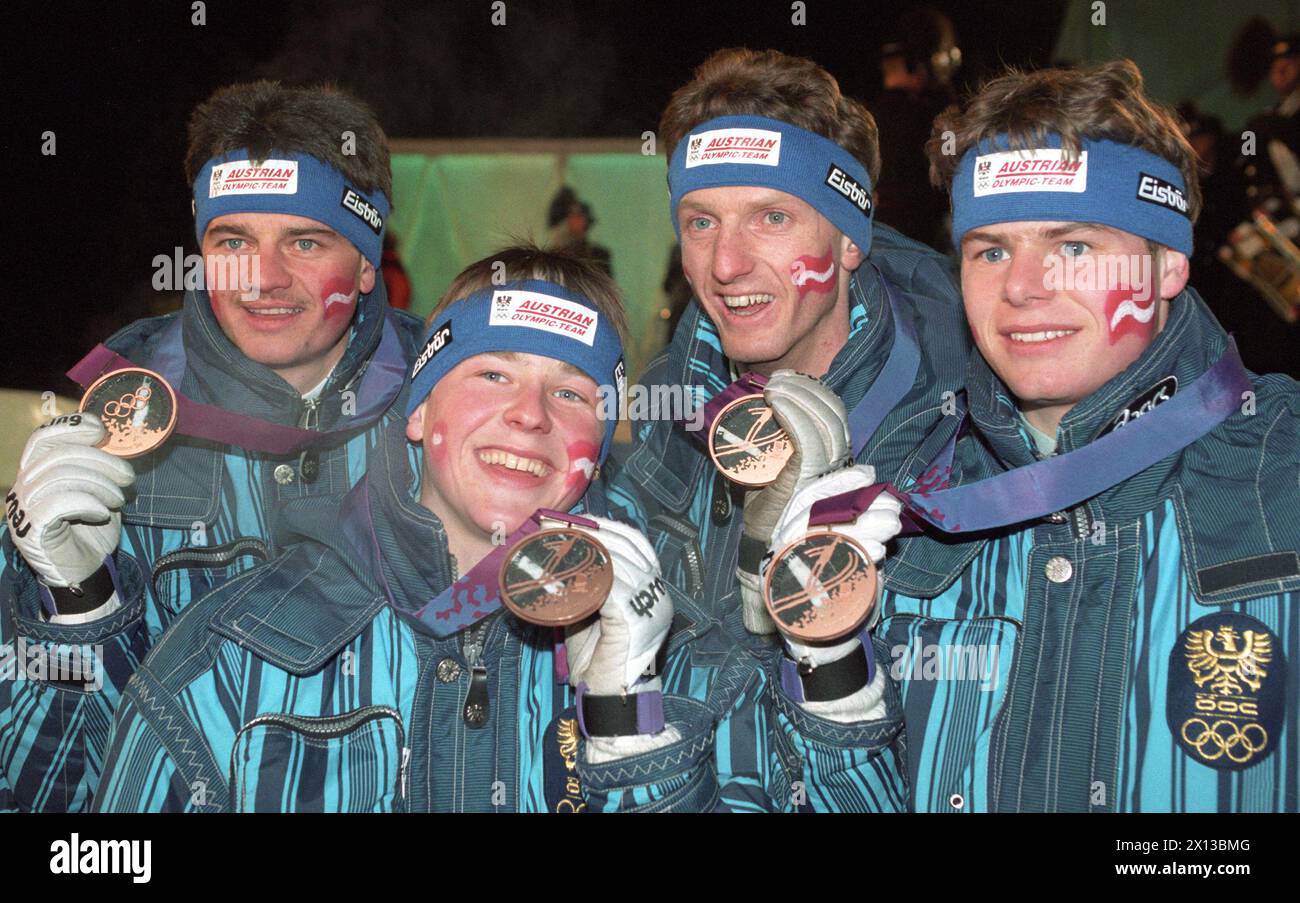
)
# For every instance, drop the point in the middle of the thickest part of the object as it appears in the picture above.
(771, 180)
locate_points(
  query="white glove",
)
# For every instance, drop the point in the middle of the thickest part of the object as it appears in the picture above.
(610, 652)
(613, 650)
(64, 508)
(874, 527)
(814, 418)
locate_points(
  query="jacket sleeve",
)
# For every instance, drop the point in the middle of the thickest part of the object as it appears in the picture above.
(855, 767)
(59, 686)
(728, 758)
(719, 764)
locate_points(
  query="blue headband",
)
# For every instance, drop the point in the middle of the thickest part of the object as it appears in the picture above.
(755, 150)
(533, 317)
(1113, 184)
(294, 183)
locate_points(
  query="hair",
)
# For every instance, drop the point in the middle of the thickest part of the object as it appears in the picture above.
(265, 116)
(742, 82)
(1103, 101)
(527, 261)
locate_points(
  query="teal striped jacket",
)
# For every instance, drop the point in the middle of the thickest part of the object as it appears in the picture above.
(1135, 653)
(201, 513)
(299, 686)
(693, 517)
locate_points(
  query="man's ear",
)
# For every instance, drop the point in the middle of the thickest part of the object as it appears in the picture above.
(850, 257)
(415, 423)
(1175, 270)
(367, 280)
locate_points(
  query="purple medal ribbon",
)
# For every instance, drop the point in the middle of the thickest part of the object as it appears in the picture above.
(1036, 490)
(748, 384)
(379, 386)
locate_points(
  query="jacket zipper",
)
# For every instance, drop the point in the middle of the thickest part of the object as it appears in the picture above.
(476, 710)
(1082, 522)
(310, 419)
(332, 727)
(214, 556)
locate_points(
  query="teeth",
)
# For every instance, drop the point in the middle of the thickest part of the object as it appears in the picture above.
(271, 311)
(514, 462)
(736, 302)
(1041, 336)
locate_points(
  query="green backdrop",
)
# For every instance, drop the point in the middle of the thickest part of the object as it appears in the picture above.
(1181, 48)
(457, 203)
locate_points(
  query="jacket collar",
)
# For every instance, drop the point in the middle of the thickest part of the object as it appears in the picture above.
(216, 372)
(1190, 343)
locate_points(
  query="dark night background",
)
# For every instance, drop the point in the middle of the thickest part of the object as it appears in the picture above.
(116, 81)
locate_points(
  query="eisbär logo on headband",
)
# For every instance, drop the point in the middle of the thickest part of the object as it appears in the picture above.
(364, 210)
(1042, 169)
(846, 185)
(546, 312)
(1155, 190)
(242, 177)
(437, 341)
(756, 146)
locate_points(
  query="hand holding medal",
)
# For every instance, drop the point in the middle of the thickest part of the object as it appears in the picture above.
(812, 422)
(558, 575)
(137, 408)
(820, 584)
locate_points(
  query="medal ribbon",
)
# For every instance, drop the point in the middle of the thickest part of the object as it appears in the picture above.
(471, 598)
(380, 385)
(1061, 482)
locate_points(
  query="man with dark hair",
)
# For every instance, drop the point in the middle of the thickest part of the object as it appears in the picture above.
(1101, 615)
(286, 367)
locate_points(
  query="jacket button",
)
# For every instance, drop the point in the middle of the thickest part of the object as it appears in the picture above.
(957, 801)
(475, 715)
(309, 466)
(448, 670)
(284, 474)
(1059, 569)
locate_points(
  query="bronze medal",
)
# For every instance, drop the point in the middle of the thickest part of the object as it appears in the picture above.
(137, 407)
(747, 444)
(820, 587)
(554, 578)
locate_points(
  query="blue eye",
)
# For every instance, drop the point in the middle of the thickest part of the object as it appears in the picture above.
(1075, 248)
(570, 395)
(993, 255)
(698, 223)
(776, 217)
(306, 244)
(493, 376)
(233, 244)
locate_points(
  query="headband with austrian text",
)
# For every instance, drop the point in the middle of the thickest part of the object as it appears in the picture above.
(293, 183)
(531, 316)
(1109, 183)
(762, 152)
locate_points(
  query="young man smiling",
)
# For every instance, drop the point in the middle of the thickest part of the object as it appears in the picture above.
(300, 363)
(1117, 548)
(770, 180)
